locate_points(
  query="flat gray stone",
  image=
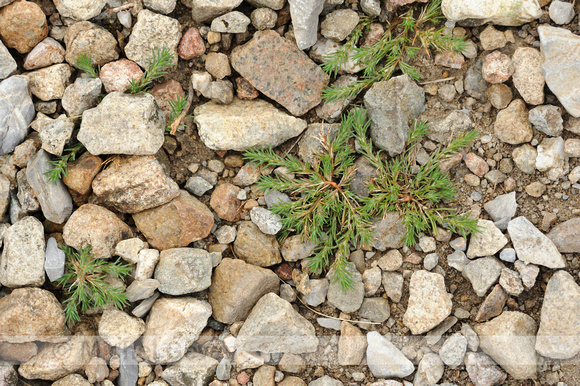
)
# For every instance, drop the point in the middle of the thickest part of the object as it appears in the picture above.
(487, 242)
(483, 273)
(193, 369)
(385, 360)
(274, 326)
(350, 300)
(54, 198)
(83, 94)
(429, 371)
(483, 370)
(304, 15)
(54, 260)
(7, 63)
(453, 350)
(16, 112)
(268, 222)
(128, 367)
(498, 12)
(105, 128)
(183, 270)
(532, 246)
(205, 10)
(502, 209)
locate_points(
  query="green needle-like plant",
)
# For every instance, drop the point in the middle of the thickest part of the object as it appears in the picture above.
(84, 283)
(404, 38)
(324, 210)
(177, 107)
(60, 164)
(85, 63)
(159, 61)
(415, 195)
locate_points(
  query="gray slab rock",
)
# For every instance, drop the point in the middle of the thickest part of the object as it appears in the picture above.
(532, 246)
(274, 326)
(393, 285)
(183, 270)
(561, 12)
(435, 335)
(502, 209)
(106, 128)
(152, 31)
(145, 306)
(16, 112)
(232, 22)
(482, 370)
(458, 260)
(429, 302)
(318, 291)
(483, 273)
(429, 371)
(375, 309)
(487, 242)
(391, 105)
(55, 133)
(54, 260)
(499, 12)
(22, 260)
(304, 14)
(453, 350)
(561, 65)
(7, 63)
(172, 326)
(268, 222)
(547, 119)
(310, 146)
(142, 289)
(385, 360)
(510, 340)
(455, 123)
(339, 24)
(54, 198)
(129, 367)
(242, 125)
(206, 10)
(346, 301)
(559, 333)
(388, 232)
(193, 369)
(83, 94)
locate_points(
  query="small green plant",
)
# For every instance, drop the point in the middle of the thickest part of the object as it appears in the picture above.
(84, 283)
(177, 107)
(415, 195)
(60, 164)
(324, 210)
(85, 63)
(404, 38)
(159, 61)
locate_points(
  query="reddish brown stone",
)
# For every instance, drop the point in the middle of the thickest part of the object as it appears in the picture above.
(224, 201)
(175, 224)
(46, 53)
(22, 25)
(191, 45)
(497, 67)
(492, 305)
(373, 34)
(284, 271)
(116, 76)
(281, 71)
(245, 90)
(80, 175)
(20, 352)
(449, 59)
(243, 378)
(476, 164)
(165, 92)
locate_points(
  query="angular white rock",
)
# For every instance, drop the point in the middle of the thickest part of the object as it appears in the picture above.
(532, 246)
(500, 12)
(54, 260)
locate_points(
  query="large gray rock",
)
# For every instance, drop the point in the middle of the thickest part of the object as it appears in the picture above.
(172, 326)
(385, 360)
(54, 198)
(243, 124)
(7, 63)
(487, 242)
(532, 246)
(22, 260)
(304, 15)
(274, 326)
(128, 366)
(500, 12)
(510, 340)
(183, 270)
(483, 370)
(16, 112)
(83, 94)
(132, 184)
(429, 302)
(193, 369)
(391, 105)
(346, 300)
(483, 273)
(388, 232)
(206, 10)
(502, 209)
(54, 133)
(236, 287)
(429, 371)
(561, 65)
(255, 247)
(106, 128)
(147, 37)
(559, 333)
(455, 123)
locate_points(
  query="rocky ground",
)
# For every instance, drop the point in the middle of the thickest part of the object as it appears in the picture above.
(214, 297)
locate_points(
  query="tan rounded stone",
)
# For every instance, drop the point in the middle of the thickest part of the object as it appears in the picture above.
(22, 25)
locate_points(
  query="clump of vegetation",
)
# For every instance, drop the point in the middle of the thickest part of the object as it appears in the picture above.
(177, 108)
(160, 60)
(85, 63)
(84, 283)
(60, 164)
(415, 194)
(405, 36)
(324, 209)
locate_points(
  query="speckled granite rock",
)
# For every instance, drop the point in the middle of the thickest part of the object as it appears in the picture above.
(281, 71)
